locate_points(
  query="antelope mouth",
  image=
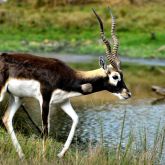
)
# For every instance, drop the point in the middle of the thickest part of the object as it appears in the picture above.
(123, 96)
(126, 96)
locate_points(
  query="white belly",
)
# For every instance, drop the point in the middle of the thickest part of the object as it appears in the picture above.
(31, 88)
(24, 88)
(59, 96)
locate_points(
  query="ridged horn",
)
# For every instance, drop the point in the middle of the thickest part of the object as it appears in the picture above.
(115, 41)
(106, 42)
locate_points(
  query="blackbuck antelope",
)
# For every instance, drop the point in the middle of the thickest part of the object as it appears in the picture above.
(52, 82)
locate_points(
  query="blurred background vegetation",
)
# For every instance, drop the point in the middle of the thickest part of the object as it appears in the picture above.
(69, 26)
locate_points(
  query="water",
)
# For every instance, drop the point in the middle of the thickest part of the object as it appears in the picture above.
(89, 58)
(104, 122)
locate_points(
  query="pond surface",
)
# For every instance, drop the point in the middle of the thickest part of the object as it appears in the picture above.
(89, 58)
(104, 122)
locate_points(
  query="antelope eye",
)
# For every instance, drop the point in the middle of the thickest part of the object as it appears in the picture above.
(115, 77)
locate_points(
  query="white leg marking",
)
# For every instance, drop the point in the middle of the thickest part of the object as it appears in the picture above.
(49, 118)
(40, 99)
(3, 91)
(70, 111)
(14, 104)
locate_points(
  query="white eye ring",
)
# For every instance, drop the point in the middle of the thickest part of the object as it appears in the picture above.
(115, 77)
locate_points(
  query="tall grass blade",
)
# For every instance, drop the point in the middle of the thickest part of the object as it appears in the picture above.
(161, 146)
(121, 137)
(128, 147)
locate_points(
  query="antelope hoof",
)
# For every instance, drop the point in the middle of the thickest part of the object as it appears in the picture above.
(60, 155)
(22, 157)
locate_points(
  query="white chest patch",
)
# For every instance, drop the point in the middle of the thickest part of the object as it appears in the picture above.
(24, 88)
(59, 96)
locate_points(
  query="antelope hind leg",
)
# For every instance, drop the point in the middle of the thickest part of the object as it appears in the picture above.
(14, 104)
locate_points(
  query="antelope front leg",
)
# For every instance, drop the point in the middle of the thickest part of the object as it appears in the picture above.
(67, 108)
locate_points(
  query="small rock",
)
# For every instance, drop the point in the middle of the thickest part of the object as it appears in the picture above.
(159, 90)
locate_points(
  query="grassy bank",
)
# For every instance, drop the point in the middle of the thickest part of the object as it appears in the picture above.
(74, 29)
(134, 152)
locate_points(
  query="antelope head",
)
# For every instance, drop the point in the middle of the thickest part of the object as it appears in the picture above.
(115, 81)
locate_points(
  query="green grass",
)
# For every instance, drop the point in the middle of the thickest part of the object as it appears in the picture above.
(74, 29)
(135, 152)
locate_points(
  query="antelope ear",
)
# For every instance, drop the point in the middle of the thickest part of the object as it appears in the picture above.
(102, 63)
